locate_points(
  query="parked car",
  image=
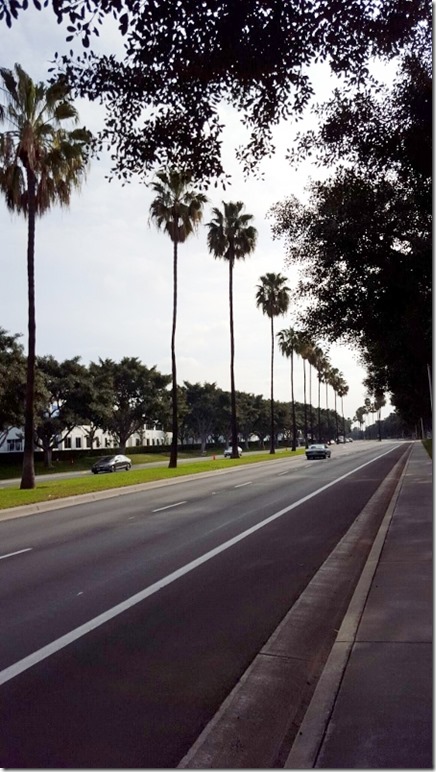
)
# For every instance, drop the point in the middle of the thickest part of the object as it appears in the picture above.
(111, 464)
(228, 452)
(320, 450)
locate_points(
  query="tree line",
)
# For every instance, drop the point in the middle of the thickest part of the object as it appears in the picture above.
(365, 235)
(120, 398)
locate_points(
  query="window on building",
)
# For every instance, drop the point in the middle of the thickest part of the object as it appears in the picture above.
(67, 443)
(88, 442)
(138, 442)
(14, 445)
(107, 442)
(78, 442)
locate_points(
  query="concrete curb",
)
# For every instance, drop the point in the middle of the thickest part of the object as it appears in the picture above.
(308, 741)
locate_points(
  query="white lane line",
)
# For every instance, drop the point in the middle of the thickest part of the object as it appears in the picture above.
(242, 485)
(60, 643)
(169, 506)
(20, 552)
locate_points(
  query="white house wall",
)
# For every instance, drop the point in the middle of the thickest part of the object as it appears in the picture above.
(77, 440)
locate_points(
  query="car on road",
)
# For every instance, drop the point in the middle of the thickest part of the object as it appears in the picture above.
(111, 464)
(228, 452)
(319, 450)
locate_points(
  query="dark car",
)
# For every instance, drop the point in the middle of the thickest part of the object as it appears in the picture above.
(319, 450)
(111, 464)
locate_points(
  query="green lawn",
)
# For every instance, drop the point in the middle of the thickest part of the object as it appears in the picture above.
(48, 490)
(428, 445)
(83, 463)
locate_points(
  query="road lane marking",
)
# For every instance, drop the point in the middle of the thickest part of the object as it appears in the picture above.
(60, 643)
(242, 485)
(169, 506)
(20, 552)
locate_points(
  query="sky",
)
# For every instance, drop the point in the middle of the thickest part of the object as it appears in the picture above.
(104, 273)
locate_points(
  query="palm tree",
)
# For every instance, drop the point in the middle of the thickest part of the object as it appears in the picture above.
(336, 379)
(308, 349)
(231, 237)
(326, 378)
(41, 162)
(304, 349)
(272, 297)
(288, 344)
(342, 392)
(177, 210)
(318, 360)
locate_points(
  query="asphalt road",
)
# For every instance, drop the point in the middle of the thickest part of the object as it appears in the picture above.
(170, 592)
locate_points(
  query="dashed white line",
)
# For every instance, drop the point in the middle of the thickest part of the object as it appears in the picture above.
(177, 504)
(11, 554)
(65, 640)
(242, 485)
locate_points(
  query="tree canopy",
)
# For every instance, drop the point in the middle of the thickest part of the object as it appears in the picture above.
(182, 59)
(364, 238)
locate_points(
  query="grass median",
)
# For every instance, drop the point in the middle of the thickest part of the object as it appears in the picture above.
(50, 490)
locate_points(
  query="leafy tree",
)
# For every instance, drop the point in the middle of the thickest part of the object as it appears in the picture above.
(60, 402)
(203, 405)
(288, 344)
(40, 164)
(138, 396)
(177, 210)
(272, 297)
(12, 383)
(263, 420)
(182, 60)
(248, 411)
(95, 396)
(231, 237)
(364, 239)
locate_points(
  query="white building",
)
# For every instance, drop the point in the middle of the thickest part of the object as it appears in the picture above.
(78, 439)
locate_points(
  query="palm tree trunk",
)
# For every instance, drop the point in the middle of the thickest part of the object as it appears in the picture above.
(310, 403)
(294, 428)
(305, 404)
(327, 408)
(232, 366)
(272, 444)
(319, 407)
(336, 416)
(175, 429)
(28, 471)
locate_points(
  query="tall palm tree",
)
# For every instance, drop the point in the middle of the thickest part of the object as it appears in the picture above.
(231, 237)
(342, 392)
(41, 162)
(326, 378)
(177, 210)
(319, 358)
(288, 344)
(309, 356)
(304, 349)
(272, 297)
(336, 379)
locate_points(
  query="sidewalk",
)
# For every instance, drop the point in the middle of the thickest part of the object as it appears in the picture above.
(372, 707)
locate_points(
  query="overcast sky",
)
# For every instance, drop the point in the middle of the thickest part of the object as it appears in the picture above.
(104, 274)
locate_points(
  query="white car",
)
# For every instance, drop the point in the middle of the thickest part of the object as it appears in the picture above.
(228, 452)
(318, 450)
